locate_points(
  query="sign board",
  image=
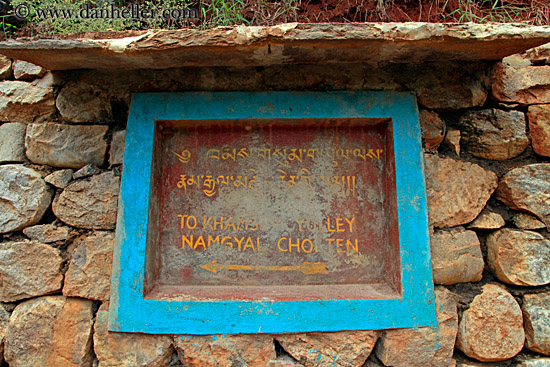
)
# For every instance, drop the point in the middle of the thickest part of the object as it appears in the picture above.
(272, 212)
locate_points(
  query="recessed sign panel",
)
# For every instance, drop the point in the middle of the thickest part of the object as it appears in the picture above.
(247, 208)
(271, 212)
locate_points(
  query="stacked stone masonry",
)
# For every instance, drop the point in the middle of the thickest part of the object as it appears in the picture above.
(486, 132)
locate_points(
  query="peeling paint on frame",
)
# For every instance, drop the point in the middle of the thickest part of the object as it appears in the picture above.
(131, 312)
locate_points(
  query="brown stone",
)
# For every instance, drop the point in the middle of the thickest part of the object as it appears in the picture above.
(60, 178)
(433, 129)
(488, 220)
(128, 349)
(4, 318)
(456, 256)
(51, 331)
(519, 257)
(47, 233)
(536, 317)
(494, 134)
(116, 154)
(524, 85)
(225, 351)
(452, 140)
(423, 347)
(345, 348)
(527, 188)
(292, 43)
(23, 70)
(78, 102)
(457, 191)
(539, 128)
(5, 67)
(89, 274)
(29, 269)
(25, 197)
(12, 142)
(68, 146)
(24, 102)
(90, 203)
(492, 328)
(527, 221)
(86, 171)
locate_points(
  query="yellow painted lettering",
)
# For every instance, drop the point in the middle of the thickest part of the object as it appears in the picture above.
(216, 223)
(239, 242)
(291, 245)
(339, 225)
(230, 223)
(328, 226)
(248, 244)
(200, 242)
(187, 241)
(340, 243)
(350, 223)
(212, 240)
(350, 244)
(258, 245)
(307, 248)
(230, 244)
(279, 244)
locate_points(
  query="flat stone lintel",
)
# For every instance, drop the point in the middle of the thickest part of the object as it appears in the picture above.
(282, 44)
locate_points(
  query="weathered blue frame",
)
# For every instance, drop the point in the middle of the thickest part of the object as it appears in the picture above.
(130, 312)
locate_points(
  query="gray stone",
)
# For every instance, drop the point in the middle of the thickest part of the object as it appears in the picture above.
(79, 102)
(24, 197)
(86, 171)
(535, 362)
(89, 274)
(536, 316)
(527, 188)
(12, 142)
(116, 154)
(47, 233)
(60, 178)
(29, 269)
(491, 329)
(24, 102)
(527, 221)
(539, 128)
(128, 349)
(4, 318)
(51, 331)
(23, 70)
(423, 347)
(488, 220)
(66, 145)
(456, 256)
(457, 191)
(433, 129)
(494, 134)
(345, 348)
(5, 67)
(452, 140)
(90, 203)
(524, 85)
(519, 257)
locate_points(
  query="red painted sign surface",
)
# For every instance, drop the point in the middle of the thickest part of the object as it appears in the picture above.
(259, 204)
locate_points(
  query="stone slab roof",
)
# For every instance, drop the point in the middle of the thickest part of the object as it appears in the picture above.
(373, 43)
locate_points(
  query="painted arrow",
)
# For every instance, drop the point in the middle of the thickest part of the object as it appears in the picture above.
(306, 268)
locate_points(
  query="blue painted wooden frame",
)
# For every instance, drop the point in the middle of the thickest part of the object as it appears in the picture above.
(130, 312)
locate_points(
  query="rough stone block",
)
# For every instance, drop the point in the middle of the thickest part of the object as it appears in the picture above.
(51, 331)
(456, 256)
(519, 257)
(89, 274)
(60, 178)
(29, 269)
(345, 348)
(23, 70)
(524, 85)
(116, 154)
(12, 142)
(24, 102)
(47, 233)
(66, 145)
(527, 188)
(90, 203)
(492, 328)
(457, 191)
(24, 197)
(488, 220)
(433, 130)
(494, 134)
(5, 67)
(536, 316)
(539, 128)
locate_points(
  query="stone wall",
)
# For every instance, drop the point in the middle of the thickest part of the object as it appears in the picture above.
(486, 136)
